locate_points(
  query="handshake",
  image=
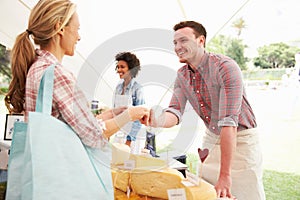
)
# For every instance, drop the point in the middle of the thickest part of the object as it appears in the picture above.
(145, 115)
(140, 113)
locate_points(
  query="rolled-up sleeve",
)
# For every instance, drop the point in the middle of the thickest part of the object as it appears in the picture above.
(231, 94)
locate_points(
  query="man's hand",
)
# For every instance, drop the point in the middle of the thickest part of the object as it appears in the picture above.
(227, 147)
(223, 186)
(145, 120)
(160, 119)
(152, 119)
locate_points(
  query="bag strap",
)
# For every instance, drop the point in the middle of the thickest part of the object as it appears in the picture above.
(45, 94)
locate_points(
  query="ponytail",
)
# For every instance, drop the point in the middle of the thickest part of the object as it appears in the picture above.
(22, 57)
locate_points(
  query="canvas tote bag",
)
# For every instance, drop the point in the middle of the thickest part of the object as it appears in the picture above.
(49, 161)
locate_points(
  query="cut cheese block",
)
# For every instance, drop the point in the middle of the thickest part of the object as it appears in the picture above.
(148, 162)
(152, 178)
(120, 153)
(204, 191)
(155, 183)
(120, 179)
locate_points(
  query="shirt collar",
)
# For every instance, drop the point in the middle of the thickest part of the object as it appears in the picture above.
(203, 61)
(47, 55)
(132, 81)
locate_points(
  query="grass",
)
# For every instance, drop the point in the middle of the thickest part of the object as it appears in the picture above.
(281, 186)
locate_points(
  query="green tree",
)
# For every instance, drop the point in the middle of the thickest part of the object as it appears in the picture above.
(231, 47)
(239, 24)
(217, 44)
(4, 63)
(236, 51)
(276, 55)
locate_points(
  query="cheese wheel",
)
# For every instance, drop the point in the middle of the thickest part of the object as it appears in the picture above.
(120, 179)
(155, 183)
(120, 195)
(150, 183)
(151, 178)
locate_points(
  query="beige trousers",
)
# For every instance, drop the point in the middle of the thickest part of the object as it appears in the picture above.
(247, 183)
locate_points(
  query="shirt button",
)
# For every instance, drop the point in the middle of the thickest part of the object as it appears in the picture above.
(198, 91)
(213, 128)
(194, 77)
(201, 104)
(206, 117)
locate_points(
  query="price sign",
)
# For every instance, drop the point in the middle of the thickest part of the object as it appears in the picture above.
(176, 194)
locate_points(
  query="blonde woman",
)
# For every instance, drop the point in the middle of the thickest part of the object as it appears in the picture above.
(54, 25)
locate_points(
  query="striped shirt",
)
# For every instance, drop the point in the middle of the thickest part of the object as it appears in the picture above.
(69, 103)
(216, 92)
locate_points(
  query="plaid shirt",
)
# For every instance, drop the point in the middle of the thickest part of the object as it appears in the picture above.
(215, 91)
(69, 103)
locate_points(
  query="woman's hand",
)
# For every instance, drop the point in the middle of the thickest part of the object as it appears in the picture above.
(139, 113)
(111, 113)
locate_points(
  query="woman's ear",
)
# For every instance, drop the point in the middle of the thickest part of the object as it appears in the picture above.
(57, 27)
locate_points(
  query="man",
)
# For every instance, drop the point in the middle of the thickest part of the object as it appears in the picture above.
(213, 85)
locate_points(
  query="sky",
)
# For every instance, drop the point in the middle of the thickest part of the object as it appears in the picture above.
(269, 21)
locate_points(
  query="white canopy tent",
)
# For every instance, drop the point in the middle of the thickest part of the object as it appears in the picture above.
(105, 22)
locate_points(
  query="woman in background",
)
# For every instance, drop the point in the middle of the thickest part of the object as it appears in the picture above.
(128, 92)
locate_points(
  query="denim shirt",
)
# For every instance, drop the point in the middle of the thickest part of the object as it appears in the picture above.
(136, 91)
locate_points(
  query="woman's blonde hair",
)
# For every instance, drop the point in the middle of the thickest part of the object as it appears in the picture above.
(47, 18)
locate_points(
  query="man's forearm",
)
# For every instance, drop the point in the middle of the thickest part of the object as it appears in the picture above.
(227, 145)
(167, 120)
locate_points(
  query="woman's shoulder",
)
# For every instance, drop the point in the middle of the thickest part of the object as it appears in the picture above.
(37, 68)
(135, 84)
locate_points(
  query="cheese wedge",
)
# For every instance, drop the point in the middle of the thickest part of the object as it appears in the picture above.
(120, 153)
(148, 162)
(204, 191)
